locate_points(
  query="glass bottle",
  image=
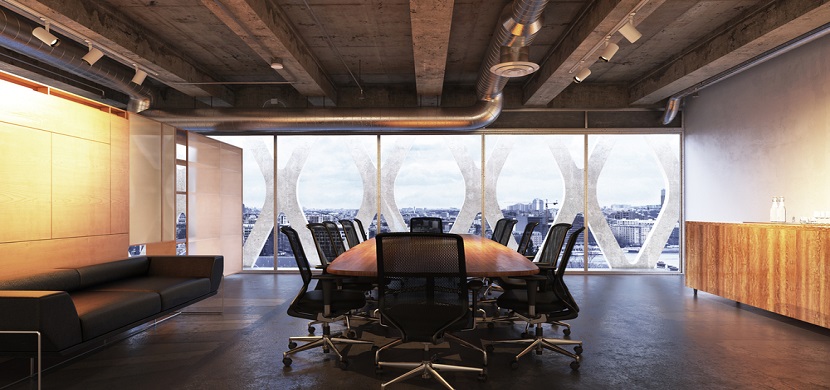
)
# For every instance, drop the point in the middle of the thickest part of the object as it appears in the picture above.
(782, 211)
(773, 210)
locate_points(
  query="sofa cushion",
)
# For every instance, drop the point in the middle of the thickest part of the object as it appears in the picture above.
(173, 291)
(52, 280)
(101, 312)
(115, 270)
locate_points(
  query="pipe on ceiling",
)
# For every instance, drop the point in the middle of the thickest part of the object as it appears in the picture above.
(675, 101)
(517, 28)
(16, 35)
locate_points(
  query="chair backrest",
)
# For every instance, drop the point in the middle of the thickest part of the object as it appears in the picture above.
(553, 243)
(336, 238)
(422, 285)
(322, 240)
(299, 254)
(503, 230)
(350, 232)
(360, 227)
(566, 254)
(426, 225)
(507, 232)
(527, 234)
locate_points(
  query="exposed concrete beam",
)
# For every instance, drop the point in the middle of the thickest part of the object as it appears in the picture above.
(773, 25)
(267, 31)
(431, 22)
(588, 32)
(104, 27)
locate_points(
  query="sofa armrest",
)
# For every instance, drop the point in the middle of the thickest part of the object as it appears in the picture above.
(195, 266)
(52, 313)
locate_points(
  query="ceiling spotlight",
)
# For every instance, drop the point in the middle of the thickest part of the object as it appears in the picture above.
(629, 31)
(276, 64)
(93, 55)
(140, 75)
(582, 75)
(608, 53)
(45, 36)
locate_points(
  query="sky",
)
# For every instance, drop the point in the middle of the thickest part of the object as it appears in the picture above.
(430, 177)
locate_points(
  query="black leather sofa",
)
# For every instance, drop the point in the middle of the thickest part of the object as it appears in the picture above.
(73, 308)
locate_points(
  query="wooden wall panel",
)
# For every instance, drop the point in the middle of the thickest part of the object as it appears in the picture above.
(20, 105)
(24, 257)
(780, 268)
(119, 175)
(167, 248)
(87, 122)
(80, 187)
(25, 192)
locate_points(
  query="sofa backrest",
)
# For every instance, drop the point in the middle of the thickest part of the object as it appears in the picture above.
(92, 275)
(51, 280)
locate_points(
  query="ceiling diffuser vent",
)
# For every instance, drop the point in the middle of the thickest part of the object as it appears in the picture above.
(513, 62)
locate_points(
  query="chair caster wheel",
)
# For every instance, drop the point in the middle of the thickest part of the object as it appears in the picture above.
(311, 329)
(578, 350)
(292, 345)
(489, 348)
(482, 377)
(351, 334)
(566, 332)
(375, 348)
(491, 325)
(326, 350)
(378, 370)
(574, 365)
(525, 335)
(343, 364)
(514, 364)
(286, 361)
(538, 351)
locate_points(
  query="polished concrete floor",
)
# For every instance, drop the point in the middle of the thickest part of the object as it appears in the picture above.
(639, 332)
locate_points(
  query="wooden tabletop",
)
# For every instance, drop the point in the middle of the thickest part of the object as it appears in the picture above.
(484, 257)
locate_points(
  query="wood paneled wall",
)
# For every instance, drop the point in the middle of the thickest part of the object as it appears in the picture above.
(776, 267)
(64, 169)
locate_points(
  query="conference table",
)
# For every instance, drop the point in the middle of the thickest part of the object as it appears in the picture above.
(484, 258)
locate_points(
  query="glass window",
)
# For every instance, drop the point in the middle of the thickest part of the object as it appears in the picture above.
(431, 176)
(634, 202)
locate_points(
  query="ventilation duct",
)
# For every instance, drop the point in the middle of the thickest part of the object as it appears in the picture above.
(16, 35)
(676, 100)
(517, 28)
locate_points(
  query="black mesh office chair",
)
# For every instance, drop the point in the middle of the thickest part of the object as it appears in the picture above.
(359, 224)
(350, 232)
(326, 305)
(423, 290)
(336, 238)
(545, 299)
(503, 230)
(322, 240)
(426, 225)
(525, 241)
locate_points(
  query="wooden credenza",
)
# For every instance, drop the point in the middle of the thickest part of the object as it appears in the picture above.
(777, 267)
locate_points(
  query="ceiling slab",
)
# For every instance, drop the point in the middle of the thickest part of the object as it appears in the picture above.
(565, 59)
(264, 27)
(105, 27)
(772, 25)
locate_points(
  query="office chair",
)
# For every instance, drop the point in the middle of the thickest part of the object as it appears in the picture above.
(423, 292)
(525, 241)
(503, 230)
(322, 240)
(545, 299)
(350, 232)
(336, 238)
(361, 229)
(426, 225)
(325, 305)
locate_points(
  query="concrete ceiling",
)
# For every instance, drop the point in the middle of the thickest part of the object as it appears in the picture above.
(351, 53)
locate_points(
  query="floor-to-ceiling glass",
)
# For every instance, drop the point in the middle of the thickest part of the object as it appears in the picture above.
(534, 178)
(431, 176)
(323, 178)
(633, 202)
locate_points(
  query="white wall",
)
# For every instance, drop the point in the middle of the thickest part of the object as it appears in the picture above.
(760, 134)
